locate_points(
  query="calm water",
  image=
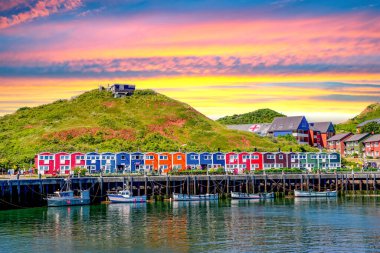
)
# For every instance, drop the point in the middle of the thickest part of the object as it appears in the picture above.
(287, 225)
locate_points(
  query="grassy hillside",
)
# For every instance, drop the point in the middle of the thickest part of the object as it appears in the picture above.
(96, 121)
(370, 112)
(258, 116)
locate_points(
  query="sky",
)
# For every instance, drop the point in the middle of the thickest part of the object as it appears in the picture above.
(319, 58)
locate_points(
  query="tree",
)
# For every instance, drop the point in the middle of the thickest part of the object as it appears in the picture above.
(372, 127)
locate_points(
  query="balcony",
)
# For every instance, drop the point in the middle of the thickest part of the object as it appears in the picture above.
(300, 135)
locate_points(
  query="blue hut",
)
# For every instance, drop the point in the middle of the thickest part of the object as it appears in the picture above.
(108, 162)
(219, 160)
(123, 162)
(192, 160)
(137, 161)
(205, 160)
(93, 162)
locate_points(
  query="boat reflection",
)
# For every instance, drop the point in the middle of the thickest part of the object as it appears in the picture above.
(315, 200)
(182, 204)
(68, 212)
(125, 208)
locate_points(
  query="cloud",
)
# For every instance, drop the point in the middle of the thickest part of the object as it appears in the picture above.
(19, 102)
(349, 98)
(42, 8)
(180, 66)
(7, 5)
(91, 12)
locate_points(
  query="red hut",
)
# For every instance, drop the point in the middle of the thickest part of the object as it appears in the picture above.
(45, 163)
(256, 161)
(244, 162)
(62, 163)
(232, 162)
(77, 160)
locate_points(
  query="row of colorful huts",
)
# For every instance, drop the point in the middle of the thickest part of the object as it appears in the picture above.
(93, 162)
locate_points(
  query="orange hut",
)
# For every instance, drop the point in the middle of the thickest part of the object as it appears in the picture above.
(179, 161)
(151, 161)
(165, 162)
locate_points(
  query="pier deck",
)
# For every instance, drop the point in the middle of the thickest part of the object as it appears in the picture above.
(29, 192)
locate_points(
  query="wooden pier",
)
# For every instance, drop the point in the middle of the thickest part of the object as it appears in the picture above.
(19, 193)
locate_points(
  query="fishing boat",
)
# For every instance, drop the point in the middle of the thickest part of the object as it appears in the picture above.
(66, 197)
(312, 194)
(189, 197)
(241, 195)
(125, 196)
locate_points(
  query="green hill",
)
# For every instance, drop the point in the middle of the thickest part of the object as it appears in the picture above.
(258, 116)
(146, 121)
(370, 112)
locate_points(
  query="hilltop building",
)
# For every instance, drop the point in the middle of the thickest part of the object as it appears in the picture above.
(122, 90)
(359, 126)
(296, 126)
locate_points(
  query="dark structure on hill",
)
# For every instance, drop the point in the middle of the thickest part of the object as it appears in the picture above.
(122, 90)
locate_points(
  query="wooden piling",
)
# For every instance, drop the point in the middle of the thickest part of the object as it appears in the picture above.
(265, 183)
(253, 184)
(208, 184)
(228, 184)
(188, 185)
(18, 189)
(374, 182)
(146, 186)
(195, 185)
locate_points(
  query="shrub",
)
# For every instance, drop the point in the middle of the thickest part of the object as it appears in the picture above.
(80, 171)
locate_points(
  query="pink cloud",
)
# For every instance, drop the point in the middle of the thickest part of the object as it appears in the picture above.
(135, 46)
(11, 4)
(42, 8)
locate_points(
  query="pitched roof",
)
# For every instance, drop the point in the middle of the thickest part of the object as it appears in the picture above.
(285, 123)
(357, 137)
(339, 137)
(368, 121)
(323, 127)
(375, 137)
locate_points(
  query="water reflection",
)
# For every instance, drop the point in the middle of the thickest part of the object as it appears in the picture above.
(280, 225)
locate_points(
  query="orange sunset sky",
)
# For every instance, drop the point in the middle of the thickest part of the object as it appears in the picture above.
(315, 58)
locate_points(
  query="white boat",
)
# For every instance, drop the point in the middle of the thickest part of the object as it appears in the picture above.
(241, 195)
(187, 197)
(125, 196)
(66, 197)
(311, 194)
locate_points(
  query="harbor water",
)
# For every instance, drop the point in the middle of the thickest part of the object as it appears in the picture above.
(281, 225)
